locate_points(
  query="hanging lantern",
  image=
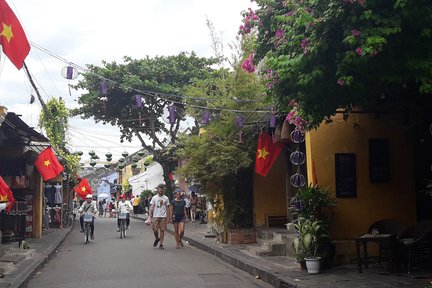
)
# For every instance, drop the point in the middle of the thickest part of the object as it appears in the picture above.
(121, 160)
(32, 99)
(297, 157)
(109, 159)
(107, 165)
(146, 164)
(79, 153)
(108, 155)
(69, 72)
(141, 153)
(239, 121)
(206, 118)
(103, 87)
(91, 153)
(138, 101)
(121, 166)
(135, 159)
(297, 180)
(297, 136)
(134, 165)
(95, 156)
(92, 163)
(125, 154)
(172, 112)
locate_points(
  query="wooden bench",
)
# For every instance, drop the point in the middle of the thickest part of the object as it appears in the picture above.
(276, 220)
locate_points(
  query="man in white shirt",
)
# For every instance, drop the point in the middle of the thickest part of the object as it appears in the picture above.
(160, 213)
(123, 206)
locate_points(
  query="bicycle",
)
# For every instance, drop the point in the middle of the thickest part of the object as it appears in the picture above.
(88, 219)
(67, 216)
(122, 217)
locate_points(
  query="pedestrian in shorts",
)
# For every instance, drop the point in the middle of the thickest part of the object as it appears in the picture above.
(160, 214)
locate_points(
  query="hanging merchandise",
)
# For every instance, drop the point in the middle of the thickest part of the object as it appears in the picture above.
(32, 99)
(138, 101)
(285, 132)
(172, 112)
(273, 121)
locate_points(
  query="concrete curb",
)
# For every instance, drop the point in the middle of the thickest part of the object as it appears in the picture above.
(28, 268)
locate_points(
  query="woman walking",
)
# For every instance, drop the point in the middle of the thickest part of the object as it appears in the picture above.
(178, 206)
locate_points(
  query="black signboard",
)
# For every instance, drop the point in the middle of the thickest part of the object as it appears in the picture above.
(345, 170)
(379, 161)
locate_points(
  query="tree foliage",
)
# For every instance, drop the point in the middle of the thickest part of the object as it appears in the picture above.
(54, 119)
(159, 81)
(330, 54)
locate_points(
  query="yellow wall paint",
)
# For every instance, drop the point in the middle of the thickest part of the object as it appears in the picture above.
(374, 201)
(269, 192)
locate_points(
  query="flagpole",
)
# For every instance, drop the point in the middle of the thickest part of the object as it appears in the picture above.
(44, 106)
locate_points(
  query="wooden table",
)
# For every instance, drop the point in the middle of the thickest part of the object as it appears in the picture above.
(389, 240)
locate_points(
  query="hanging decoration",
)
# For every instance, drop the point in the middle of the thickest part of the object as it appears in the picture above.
(69, 72)
(108, 155)
(138, 104)
(103, 87)
(109, 159)
(107, 165)
(134, 165)
(91, 153)
(206, 118)
(32, 99)
(172, 112)
(125, 153)
(239, 124)
(121, 160)
(135, 159)
(92, 163)
(141, 153)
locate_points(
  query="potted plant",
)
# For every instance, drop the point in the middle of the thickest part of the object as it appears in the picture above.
(311, 234)
(315, 204)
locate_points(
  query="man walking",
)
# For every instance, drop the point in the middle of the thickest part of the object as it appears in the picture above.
(159, 211)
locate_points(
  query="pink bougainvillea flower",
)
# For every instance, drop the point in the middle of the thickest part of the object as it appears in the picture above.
(340, 82)
(361, 2)
(248, 64)
(359, 51)
(355, 32)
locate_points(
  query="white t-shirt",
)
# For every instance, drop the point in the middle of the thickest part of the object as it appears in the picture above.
(124, 207)
(160, 204)
(2, 206)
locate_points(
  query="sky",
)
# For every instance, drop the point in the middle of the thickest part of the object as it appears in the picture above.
(91, 31)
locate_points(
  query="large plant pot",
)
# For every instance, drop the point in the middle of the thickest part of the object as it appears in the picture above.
(313, 265)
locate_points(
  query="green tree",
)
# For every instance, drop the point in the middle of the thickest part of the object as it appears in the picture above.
(54, 119)
(158, 81)
(330, 54)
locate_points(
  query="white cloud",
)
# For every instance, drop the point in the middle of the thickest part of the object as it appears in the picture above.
(87, 32)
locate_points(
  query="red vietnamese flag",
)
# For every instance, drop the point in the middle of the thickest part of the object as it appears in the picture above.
(267, 153)
(83, 188)
(12, 37)
(48, 165)
(6, 194)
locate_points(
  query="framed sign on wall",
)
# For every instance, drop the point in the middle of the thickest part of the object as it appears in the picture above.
(346, 178)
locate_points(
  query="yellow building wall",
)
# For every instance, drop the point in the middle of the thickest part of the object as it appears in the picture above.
(269, 192)
(374, 201)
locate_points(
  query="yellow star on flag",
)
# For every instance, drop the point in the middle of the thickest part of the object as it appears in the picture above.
(262, 153)
(83, 189)
(3, 198)
(7, 32)
(47, 163)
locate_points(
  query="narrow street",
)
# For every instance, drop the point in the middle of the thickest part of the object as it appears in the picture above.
(109, 261)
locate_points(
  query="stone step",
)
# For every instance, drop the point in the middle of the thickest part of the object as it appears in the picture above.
(258, 250)
(6, 267)
(27, 253)
(14, 259)
(273, 247)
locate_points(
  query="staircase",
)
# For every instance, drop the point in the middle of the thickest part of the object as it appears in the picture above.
(273, 242)
(9, 257)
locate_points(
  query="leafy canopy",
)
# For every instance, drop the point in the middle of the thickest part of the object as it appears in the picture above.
(330, 54)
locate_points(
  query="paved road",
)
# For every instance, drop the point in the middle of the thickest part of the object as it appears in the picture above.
(133, 262)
